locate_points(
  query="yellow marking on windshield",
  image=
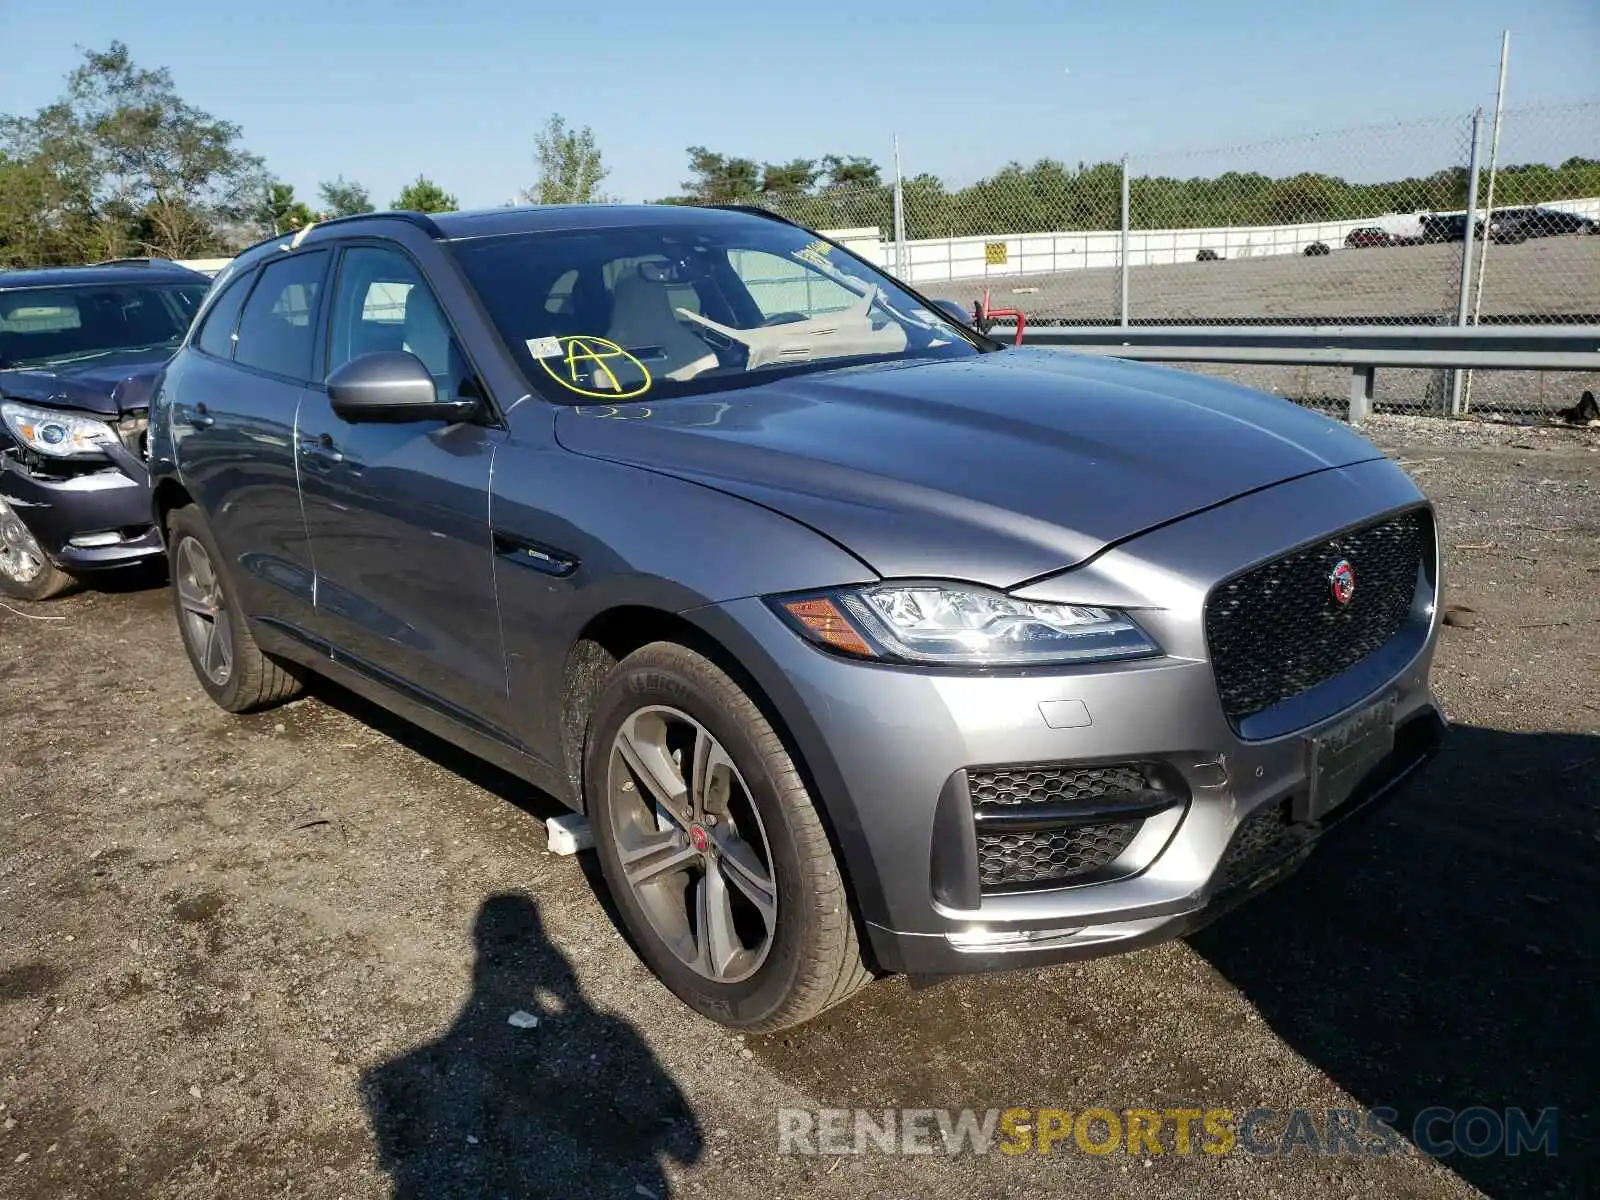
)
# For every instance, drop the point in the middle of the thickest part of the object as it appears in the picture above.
(579, 351)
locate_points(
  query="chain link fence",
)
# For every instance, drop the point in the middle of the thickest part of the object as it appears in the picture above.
(1357, 226)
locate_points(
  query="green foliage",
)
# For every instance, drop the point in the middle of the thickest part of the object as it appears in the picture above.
(342, 199)
(570, 166)
(425, 196)
(279, 211)
(836, 192)
(121, 165)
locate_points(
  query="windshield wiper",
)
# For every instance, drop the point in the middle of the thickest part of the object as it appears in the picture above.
(68, 359)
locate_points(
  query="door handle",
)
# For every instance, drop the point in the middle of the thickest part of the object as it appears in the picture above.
(321, 447)
(200, 418)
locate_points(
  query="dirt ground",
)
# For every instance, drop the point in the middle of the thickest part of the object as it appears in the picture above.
(275, 956)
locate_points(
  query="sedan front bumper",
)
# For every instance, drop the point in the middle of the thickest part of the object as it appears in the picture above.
(85, 519)
(906, 761)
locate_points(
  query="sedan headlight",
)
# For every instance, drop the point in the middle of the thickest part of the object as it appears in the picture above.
(953, 624)
(56, 434)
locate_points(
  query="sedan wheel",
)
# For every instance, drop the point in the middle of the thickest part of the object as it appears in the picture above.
(26, 571)
(691, 844)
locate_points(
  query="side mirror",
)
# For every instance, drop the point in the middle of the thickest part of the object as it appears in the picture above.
(391, 386)
(955, 312)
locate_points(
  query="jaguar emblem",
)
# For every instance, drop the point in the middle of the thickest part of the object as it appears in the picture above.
(1342, 581)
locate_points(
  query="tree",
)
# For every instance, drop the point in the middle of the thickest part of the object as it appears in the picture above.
(424, 195)
(133, 167)
(794, 178)
(570, 166)
(279, 211)
(719, 179)
(342, 199)
(852, 171)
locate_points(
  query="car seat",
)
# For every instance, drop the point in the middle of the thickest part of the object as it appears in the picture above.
(643, 323)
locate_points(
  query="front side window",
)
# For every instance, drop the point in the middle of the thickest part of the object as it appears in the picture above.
(687, 307)
(277, 330)
(55, 326)
(382, 302)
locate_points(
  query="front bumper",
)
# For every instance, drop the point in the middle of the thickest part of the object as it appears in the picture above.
(85, 519)
(888, 750)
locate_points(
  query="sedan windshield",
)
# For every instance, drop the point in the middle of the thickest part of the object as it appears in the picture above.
(54, 326)
(685, 308)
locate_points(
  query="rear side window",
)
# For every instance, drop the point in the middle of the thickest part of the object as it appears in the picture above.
(277, 330)
(216, 335)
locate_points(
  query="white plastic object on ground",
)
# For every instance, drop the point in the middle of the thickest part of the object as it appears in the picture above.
(568, 834)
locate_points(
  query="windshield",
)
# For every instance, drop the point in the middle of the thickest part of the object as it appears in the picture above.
(54, 326)
(685, 308)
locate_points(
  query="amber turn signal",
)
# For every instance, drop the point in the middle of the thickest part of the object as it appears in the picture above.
(822, 618)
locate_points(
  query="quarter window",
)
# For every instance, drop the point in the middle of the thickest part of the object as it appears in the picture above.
(216, 335)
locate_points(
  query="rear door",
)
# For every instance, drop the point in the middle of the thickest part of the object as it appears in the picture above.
(398, 514)
(235, 402)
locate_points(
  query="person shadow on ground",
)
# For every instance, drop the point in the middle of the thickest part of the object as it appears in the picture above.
(575, 1106)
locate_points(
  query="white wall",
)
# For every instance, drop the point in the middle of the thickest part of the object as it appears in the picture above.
(934, 260)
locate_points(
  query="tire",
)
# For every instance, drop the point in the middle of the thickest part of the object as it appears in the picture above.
(252, 681)
(811, 958)
(26, 572)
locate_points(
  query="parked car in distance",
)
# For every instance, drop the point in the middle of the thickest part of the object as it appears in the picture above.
(865, 643)
(1449, 227)
(1369, 235)
(1514, 225)
(80, 348)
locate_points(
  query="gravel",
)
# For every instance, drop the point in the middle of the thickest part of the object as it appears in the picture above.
(275, 956)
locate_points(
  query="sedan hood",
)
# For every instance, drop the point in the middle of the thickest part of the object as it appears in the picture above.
(110, 386)
(995, 469)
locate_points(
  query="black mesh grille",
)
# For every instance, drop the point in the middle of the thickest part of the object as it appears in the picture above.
(1048, 783)
(1049, 856)
(1263, 837)
(1276, 631)
(1010, 858)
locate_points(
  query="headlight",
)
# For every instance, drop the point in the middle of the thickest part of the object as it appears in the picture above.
(959, 625)
(56, 434)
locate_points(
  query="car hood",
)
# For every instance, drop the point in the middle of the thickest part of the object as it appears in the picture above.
(112, 385)
(995, 469)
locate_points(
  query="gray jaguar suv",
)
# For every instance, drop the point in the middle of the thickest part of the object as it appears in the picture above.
(864, 643)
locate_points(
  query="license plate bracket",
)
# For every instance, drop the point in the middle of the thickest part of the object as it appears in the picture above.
(1341, 756)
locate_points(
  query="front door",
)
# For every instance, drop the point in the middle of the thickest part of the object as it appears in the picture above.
(398, 514)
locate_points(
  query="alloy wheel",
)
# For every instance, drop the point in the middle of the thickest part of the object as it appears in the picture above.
(203, 610)
(21, 558)
(691, 844)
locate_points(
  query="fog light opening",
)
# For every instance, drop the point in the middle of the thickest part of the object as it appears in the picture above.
(91, 541)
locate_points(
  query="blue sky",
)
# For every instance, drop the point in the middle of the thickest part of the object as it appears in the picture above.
(380, 90)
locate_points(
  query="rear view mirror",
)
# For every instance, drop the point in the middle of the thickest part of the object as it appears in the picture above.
(955, 312)
(391, 386)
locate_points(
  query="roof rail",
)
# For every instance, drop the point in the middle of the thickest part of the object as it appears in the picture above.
(421, 220)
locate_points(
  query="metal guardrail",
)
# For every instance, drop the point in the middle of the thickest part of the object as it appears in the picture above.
(1363, 349)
